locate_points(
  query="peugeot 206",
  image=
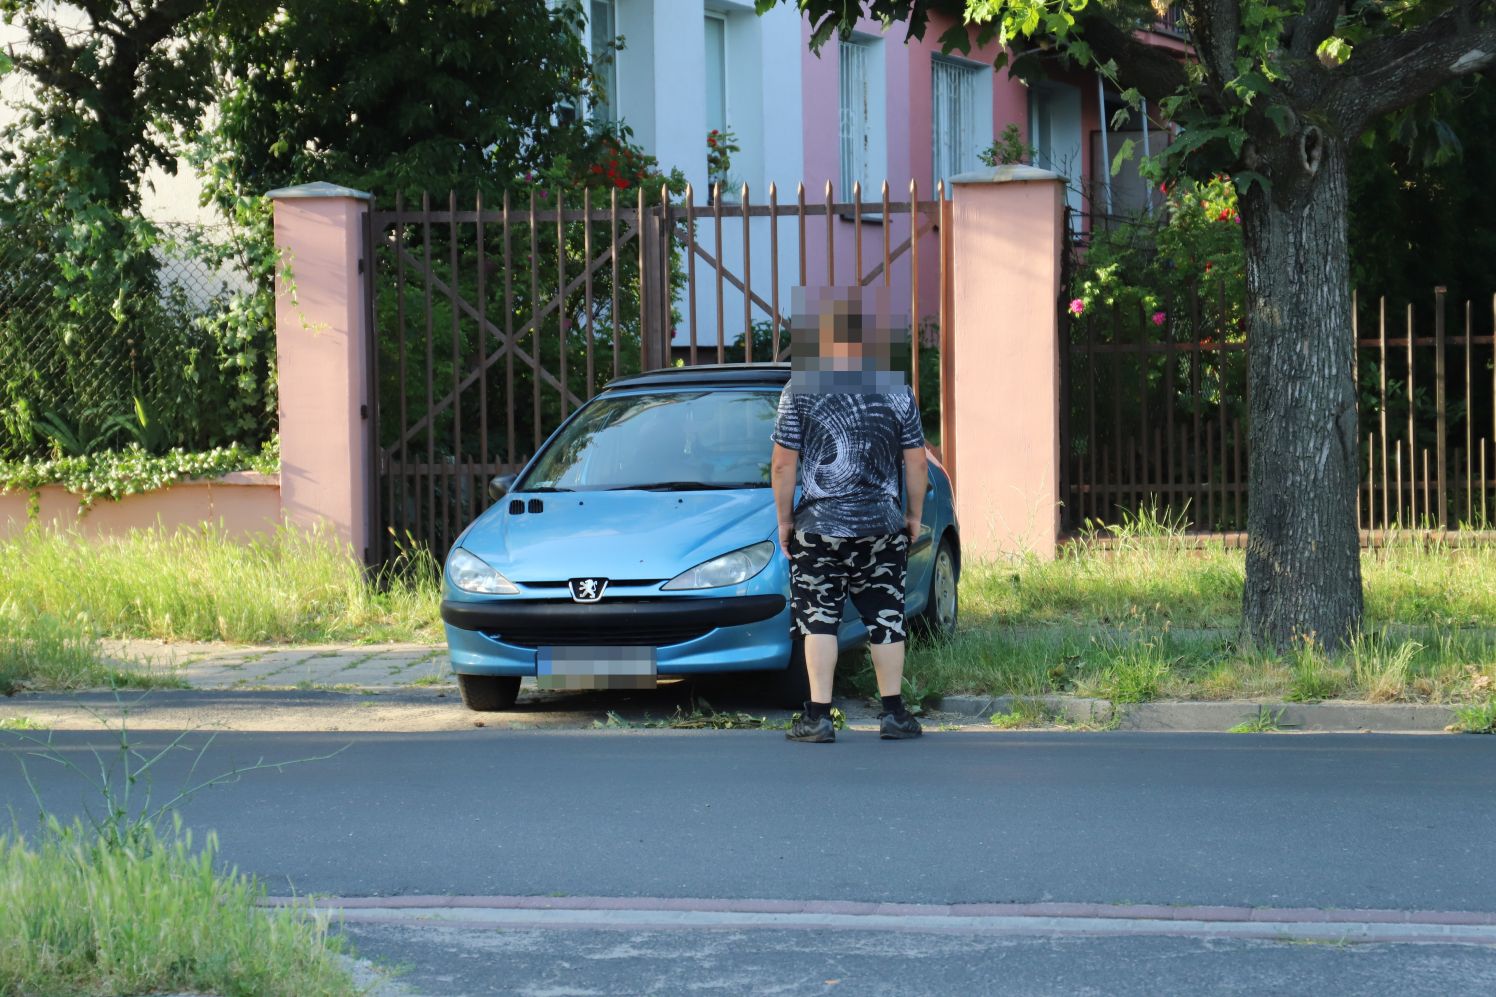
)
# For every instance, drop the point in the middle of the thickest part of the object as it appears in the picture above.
(640, 543)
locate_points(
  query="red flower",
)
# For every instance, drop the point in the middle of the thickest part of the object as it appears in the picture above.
(621, 183)
(711, 141)
(596, 168)
(1207, 266)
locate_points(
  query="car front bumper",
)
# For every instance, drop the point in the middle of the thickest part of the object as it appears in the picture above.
(690, 634)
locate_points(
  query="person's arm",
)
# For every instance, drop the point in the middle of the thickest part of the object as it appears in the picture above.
(784, 465)
(916, 478)
(782, 472)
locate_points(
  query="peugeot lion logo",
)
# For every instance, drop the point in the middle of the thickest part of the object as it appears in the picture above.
(588, 589)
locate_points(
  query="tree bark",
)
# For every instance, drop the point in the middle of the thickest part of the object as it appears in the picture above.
(1303, 567)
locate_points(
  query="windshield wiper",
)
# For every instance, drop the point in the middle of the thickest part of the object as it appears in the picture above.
(687, 486)
(542, 488)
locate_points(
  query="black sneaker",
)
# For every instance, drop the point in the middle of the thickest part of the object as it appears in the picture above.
(893, 728)
(806, 729)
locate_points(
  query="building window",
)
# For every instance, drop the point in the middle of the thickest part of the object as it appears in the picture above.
(956, 116)
(862, 126)
(602, 28)
(716, 72)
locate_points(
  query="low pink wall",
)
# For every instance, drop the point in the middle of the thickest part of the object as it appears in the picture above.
(245, 504)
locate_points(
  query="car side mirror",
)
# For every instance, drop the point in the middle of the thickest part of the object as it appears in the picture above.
(499, 487)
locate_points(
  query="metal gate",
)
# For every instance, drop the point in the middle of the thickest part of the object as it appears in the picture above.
(491, 324)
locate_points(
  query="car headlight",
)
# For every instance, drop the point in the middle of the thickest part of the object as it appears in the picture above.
(729, 569)
(471, 574)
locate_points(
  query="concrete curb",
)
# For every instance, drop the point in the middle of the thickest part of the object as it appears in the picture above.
(1330, 717)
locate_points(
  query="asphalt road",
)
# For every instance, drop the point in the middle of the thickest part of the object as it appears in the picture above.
(1276, 820)
(1319, 821)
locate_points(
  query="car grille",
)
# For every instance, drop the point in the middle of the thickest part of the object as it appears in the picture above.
(655, 635)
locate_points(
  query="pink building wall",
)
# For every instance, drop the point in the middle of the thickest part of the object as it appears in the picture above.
(910, 147)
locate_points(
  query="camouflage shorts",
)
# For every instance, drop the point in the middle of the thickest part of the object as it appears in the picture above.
(824, 571)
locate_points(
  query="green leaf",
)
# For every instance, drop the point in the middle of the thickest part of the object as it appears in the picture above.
(1280, 116)
(1123, 154)
(1246, 178)
(1335, 48)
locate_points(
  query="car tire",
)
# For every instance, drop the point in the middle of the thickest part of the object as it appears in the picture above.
(938, 621)
(792, 686)
(487, 693)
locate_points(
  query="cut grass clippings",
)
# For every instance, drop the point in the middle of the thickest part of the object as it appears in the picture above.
(83, 916)
(292, 586)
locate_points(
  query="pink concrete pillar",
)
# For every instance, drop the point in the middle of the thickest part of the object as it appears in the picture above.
(1007, 234)
(321, 341)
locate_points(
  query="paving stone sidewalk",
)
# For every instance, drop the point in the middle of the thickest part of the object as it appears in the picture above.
(307, 666)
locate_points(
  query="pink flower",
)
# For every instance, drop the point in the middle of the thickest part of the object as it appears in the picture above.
(1159, 318)
(1077, 307)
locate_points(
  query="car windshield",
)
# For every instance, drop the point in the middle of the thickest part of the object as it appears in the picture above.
(667, 441)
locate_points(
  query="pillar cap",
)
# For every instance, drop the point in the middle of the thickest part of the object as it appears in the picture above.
(320, 188)
(1007, 173)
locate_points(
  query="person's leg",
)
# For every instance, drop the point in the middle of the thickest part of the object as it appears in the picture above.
(818, 583)
(877, 590)
(821, 652)
(888, 664)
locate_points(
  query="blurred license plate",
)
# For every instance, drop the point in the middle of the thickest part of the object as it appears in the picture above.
(595, 668)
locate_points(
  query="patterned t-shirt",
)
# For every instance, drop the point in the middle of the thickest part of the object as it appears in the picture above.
(851, 448)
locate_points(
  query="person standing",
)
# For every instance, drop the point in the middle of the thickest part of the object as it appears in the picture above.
(846, 428)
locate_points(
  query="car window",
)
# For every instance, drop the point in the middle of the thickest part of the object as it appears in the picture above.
(676, 439)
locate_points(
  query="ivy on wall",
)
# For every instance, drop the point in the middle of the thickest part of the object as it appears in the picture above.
(113, 474)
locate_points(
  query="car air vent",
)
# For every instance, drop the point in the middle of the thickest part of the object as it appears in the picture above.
(516, 506)
(537, 506)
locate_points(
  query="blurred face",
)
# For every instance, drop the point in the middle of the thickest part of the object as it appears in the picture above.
(838, 342)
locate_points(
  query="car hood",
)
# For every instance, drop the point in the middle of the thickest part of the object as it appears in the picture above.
(632, 535)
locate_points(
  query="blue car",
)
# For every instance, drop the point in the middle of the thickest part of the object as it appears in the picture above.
(640, 542)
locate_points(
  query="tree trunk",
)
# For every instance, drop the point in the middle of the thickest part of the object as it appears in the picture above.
(1303, 567)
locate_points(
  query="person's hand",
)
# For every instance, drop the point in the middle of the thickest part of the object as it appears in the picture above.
(785, 530)
(912, 527)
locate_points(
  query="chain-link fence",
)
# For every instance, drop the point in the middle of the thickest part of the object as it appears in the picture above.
(163, 341)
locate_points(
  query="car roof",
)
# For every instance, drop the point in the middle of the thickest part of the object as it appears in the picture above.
(712, 375)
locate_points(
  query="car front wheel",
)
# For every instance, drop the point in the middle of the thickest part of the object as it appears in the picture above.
(488, 692)
(938, 621)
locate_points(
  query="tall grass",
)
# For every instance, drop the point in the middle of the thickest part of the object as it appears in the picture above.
(81, 915)
(201, 585)
(1145, 616)
(40, 651)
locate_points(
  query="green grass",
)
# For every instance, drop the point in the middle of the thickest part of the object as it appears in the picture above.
(201, 585)
(21, 723)
(80, 915)
(1265, 722)
(43, 652)
(1147, 619)
(1476, 718)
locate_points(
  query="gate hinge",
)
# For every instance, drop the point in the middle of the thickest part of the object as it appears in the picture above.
(360, 264)
(363, 411)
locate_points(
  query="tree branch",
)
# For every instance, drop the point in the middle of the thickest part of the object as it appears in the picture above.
(1216, 26)
(1316, 24)
(1385, 74)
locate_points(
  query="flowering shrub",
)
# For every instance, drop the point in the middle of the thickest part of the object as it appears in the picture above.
(720, 145)
(1188, 261)
(610, 163)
